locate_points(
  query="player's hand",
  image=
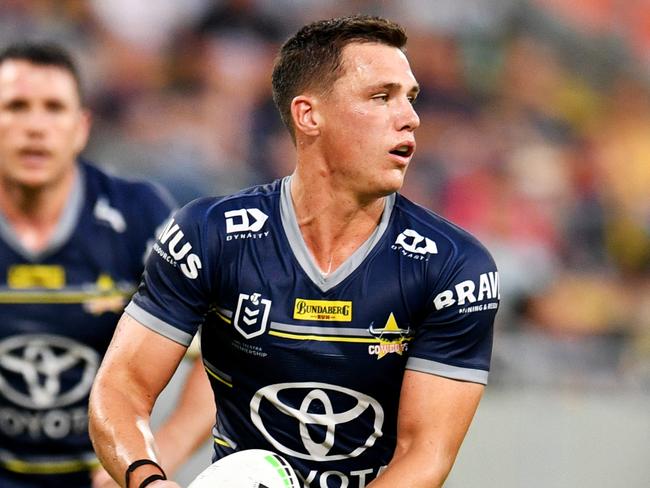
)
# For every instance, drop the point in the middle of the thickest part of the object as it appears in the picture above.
(101, 479)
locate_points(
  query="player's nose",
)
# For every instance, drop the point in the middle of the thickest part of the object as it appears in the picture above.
(408, 118)
(36, 122)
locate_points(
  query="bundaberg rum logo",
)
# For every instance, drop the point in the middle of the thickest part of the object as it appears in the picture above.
(325, 310)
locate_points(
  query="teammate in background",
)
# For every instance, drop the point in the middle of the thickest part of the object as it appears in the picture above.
(342, 325)
(72, 247)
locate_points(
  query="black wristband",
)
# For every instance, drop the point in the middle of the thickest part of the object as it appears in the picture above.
(151, 478)
(141, 462)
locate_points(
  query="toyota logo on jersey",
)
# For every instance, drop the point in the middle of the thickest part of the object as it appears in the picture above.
(348, 422)
(42, 371)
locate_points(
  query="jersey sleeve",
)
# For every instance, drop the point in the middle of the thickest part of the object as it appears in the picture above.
(173, 296)
(455, 338)
(155, 207)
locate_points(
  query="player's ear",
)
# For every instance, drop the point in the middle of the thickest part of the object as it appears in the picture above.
(304, 112)
(84, 123)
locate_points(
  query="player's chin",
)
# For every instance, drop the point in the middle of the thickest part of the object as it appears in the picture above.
(32, 180)
(393, 181)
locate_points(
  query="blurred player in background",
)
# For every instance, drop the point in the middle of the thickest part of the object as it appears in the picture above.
(72, 247)
(342, 325)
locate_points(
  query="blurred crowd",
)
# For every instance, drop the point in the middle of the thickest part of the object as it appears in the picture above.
(535, 136)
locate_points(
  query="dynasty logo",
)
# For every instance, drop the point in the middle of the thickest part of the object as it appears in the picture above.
(415, 246)
(245, 223)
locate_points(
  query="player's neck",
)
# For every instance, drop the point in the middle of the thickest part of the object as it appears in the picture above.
(34, 212)
(332, 222)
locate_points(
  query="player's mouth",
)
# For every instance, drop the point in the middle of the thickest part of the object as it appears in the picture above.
(404, 150)
(34, 155)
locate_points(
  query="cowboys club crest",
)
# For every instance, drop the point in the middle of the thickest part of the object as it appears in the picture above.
(392, 338)
(252, 315)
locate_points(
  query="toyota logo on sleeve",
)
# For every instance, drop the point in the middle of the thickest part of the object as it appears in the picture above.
(335, 410)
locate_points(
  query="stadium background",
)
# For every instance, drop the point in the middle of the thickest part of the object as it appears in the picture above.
(535, 136)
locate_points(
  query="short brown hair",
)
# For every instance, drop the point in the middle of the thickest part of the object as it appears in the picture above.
(311, 59)
(43, 54)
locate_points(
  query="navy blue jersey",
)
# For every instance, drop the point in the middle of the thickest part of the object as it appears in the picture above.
(58, 310)
(306, 364)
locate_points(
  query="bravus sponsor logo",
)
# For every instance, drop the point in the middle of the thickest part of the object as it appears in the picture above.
(472, 293)
(174, 249)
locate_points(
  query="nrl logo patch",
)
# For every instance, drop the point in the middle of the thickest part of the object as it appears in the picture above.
(252, 315)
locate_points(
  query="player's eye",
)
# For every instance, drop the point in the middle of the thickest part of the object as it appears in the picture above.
(383, 97)
(16, 105)
(54, 106)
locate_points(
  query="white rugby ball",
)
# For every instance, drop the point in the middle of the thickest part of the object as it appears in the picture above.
(251, 468)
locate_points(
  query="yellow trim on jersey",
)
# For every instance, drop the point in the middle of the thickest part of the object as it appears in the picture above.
(62, 467)
(221, 442)
(224, 318)
(309, 337)
(66, 298)
(218, 378)
(313, 337)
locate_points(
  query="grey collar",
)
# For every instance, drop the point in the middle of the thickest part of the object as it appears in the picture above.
(302, 253)
(64, 227)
